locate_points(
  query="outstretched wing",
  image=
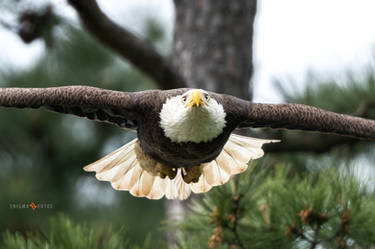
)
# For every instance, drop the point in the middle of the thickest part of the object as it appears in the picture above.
(296, 116)
(119, 108)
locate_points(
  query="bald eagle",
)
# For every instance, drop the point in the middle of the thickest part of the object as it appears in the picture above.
(184, 138)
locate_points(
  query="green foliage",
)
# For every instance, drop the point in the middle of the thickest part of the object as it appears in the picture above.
(344, 97)
(42, 153)
(274, 208)
(62, 233)
(154, 30)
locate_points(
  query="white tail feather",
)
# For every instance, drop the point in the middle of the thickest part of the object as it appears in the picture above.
(136, 189)
(238, 166)
(201, 186)
(213, 174)
(238, 153)
(158, 188)
(232, 160)
(227, 163)
(123, 170)
(252, 145)
(210, 173)
(147, 181)
(183, 189)
(131, 178)
(118, 171)
(177, 188)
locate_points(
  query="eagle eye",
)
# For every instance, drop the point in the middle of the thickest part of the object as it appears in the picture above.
(183, 99)
(206, 97)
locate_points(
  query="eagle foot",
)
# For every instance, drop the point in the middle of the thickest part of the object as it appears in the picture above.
(191, 174)
(151, 166)
(170, 172)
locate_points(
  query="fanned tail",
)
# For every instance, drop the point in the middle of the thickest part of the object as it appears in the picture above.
(123, 170)
(232, 160)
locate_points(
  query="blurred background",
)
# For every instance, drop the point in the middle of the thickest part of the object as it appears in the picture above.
(314, 52)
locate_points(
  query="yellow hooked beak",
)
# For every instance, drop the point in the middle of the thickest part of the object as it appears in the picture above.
(195, 99)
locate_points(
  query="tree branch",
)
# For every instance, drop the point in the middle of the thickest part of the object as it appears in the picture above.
(7, 25)
(297, 141)
(137, 51)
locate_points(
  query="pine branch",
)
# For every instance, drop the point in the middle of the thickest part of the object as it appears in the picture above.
(304, 237)
(128, 45)
(236, 211)
(315, 240)
(313, 245)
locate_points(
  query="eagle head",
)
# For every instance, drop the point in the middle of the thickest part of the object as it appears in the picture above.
(195, 98)
(192, 117)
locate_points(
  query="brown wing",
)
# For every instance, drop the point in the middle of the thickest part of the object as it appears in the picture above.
(296, 116)
(119, 108)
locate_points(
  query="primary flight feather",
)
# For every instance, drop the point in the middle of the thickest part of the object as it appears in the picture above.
(184, 138)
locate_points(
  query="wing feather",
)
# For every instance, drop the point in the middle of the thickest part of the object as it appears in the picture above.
(295, 116)
(119, 108)
(123, 109)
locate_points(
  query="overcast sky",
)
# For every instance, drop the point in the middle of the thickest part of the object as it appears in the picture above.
(292, 36)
